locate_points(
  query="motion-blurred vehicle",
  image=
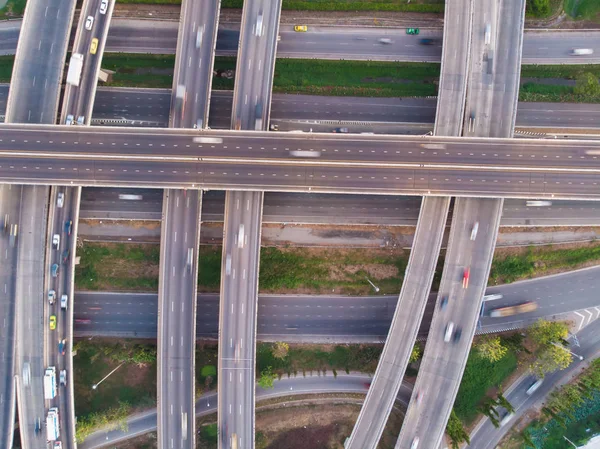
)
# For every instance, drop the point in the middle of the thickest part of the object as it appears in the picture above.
(51, 296)
(384, 40)
(62, 346)
(52, 322)
(341, 130)
(529, 306)
(54, 270)
(241, 236)
(457, 335)
(14, 231)
(199, 35)
(64, 301)
(301, 28)
(582, 51)
(305, 153)
(413, 31)
(488, 34)
(506, 419)
(443, 302)
(538, 203)
(68, 226)
(448, 331)
(259, 25)
(474, 230)
(466, 275)
(60, 198)
(534, 386)
(65, 256)
(63, 377)
(415, 443)
(55, 241)
(427, 41)
(83, 321)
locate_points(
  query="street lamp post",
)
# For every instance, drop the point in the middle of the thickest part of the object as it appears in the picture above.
(373, 285)
(580, 357)
(106, 377)
(574, 445)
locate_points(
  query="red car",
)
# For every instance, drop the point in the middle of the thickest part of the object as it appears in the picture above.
(466, 277)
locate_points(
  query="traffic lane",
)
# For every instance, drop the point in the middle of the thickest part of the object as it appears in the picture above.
(487, 436)
(107, 203)
(536, 46)
(443, 362)
(9, 36)
(360, 148)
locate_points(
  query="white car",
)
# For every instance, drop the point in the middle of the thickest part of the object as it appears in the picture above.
(60, 200)
(51, 296)
(56, 241)
(228, 264)
(64, 300)
(259, 25)
(582, 51)
(199, 35)
(474, 230)
(488, 34)
(89, 22)
(448, 332)
(63, 377)
(241, 236)
(103, 6)
(415, 443)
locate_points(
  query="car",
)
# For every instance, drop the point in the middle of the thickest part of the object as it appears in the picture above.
(301, 28)
(14, 230)
(506, 419)
(258, 31)
(68, 227)
(68, 121)
(474, 230)
(341, 130)
(89, 22)
(457, 335)
(103, 6)
(54, 270)
(38, 425)
(52, 322)
(418, 397)
(413, 31)
(56, 241)
(62, 346)
(427, 41)
(199, 36)
(51, 296)
(305, 153)
(466, 274)
(415, 443)
(582, 51)
(64, 300)
(534, 386)
(241, 236)
(443, 302)
(26, 373)
(60, 199)
(65, 256)
(367, 385)
(63, 377)
(57, 445)
(448, 331)
(81, 120)
(228, 264)
(94, 46)
(488, 34)
(384, 40)
(538, 203)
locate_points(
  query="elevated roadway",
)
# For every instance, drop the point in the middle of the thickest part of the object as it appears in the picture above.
(394, 164)
(178, 280)
(10, 214)
(32, 315)
(405, 324)
(79, 100)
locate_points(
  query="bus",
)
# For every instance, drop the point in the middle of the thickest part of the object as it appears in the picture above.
(513, 310)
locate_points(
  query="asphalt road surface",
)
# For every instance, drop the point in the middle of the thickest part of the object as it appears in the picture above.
(79, 100)
(496, 167)
(332, 318)
(405, 325)
(180, 235)
(10, 197)
(343, 383)
(150, 107)
(148, 36)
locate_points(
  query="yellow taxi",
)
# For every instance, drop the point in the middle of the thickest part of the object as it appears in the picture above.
(94, 46)
(302, 28)
(52, 322)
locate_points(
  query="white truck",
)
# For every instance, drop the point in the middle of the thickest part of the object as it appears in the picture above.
(75, 67)
(50, 383)
(52, 425)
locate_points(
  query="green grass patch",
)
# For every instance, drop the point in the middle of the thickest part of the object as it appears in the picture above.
(479, 376)
(209, 433)
(207, 358)
(558, 71)
(306, 359)
(583, 9)
(209, 268)
(532, 91)
(133, 384)
(13, 8)
(541, 260)
(6, 68)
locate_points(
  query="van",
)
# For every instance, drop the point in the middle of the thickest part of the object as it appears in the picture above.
(582, 51)
(534, 386)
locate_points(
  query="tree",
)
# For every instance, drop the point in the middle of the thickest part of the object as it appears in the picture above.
(587, 85)
(415, 354)
(280, 350)
(538, 8)
(544, 332)
(491, 348)
(550, 359)
(266, 378)
(503, 402)
(456, 431)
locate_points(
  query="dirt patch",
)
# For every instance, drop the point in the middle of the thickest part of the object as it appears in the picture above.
(373, 270)
(136, 224)
(121, 267)
(520, 229)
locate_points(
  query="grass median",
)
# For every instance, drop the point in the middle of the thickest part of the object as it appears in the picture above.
(134, 267)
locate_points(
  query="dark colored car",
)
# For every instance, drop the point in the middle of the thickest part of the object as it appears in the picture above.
(68, 226)
(340, 130)
(62, 346)
(427, 41)
(65, 256)
(54, 270)
(444, 302)
(457, 335)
